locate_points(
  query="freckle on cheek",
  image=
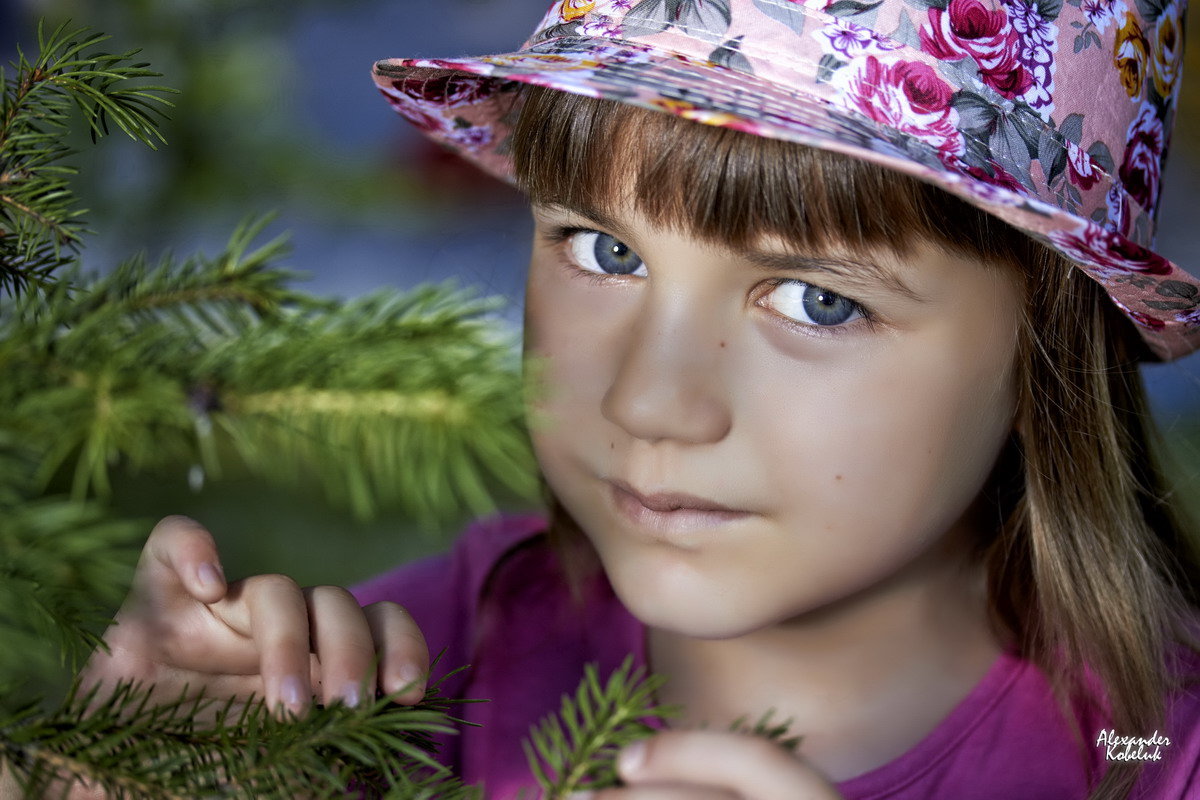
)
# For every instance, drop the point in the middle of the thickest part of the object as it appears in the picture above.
(837, 477)
(722, 344)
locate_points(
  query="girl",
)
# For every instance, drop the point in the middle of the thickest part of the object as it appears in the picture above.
(838, 415)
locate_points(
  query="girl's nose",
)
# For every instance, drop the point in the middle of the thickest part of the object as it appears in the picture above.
(668, 383)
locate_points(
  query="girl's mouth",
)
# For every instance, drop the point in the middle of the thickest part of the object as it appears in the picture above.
(670, 511)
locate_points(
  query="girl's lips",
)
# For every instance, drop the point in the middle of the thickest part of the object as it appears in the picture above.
(670, 501)
(667, 511)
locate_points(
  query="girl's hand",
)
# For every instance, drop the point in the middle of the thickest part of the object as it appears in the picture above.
(183, 624)
(712, 765)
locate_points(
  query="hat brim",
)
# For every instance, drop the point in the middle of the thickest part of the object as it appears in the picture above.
(470, 105)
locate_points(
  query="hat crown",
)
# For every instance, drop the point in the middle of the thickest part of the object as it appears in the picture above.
(1070, 103)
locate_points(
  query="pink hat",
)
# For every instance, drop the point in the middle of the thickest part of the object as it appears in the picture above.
(1053, 117)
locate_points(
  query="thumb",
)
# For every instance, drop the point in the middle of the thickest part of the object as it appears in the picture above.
(737, 763)
(181, 553)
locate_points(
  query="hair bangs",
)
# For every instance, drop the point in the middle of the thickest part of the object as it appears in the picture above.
(727, 186)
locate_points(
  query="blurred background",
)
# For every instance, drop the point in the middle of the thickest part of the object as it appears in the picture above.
(277, 112)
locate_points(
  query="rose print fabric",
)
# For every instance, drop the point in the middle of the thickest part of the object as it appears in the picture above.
(1054, 115)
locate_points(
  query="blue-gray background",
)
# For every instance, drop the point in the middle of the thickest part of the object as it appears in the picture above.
(278, 112)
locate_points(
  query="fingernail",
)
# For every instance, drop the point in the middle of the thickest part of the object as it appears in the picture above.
(351, 695)
(291, 691)
(631, 758)
(209, 575)
(410, 677)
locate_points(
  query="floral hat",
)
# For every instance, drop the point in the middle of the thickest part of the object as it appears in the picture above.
(1054, 116)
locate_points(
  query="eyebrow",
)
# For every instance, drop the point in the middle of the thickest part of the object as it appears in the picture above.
(859, 272)
(592, 213)
(862, 273)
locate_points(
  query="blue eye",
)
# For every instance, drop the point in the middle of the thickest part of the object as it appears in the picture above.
(599, 252)
(812, 305)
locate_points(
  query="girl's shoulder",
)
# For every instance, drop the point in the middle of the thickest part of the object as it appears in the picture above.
(443, 592)
(502, 573)
(469, 562)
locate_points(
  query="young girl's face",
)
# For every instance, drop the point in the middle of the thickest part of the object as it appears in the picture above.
(749, 436)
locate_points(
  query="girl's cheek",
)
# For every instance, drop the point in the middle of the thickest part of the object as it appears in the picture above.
(823, 354)
(571, 335)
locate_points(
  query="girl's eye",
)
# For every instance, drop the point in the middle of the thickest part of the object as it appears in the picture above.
(598, 252)
(812, 305)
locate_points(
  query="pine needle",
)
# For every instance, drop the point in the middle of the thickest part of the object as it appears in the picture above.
(408, 400)
(576, 749)
(40, 224)
(198, 747)
(778, 732)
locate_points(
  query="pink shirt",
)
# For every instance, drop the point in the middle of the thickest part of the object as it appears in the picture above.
(498, 602)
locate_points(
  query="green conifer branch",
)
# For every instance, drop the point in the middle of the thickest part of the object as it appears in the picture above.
(576, 749)
(40, 225)
(408, 400)
(767, 727)
(59, 562)
(411, 401)
(135, 746)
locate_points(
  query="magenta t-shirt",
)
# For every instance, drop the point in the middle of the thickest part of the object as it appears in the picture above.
(499, 602)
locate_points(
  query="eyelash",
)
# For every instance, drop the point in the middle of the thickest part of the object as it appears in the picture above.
(560, 235)
(866, 319)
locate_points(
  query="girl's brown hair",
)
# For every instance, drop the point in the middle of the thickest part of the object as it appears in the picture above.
(1086, 564)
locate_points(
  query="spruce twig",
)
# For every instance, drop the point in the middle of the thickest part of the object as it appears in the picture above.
(40, 225)
(778, 732)
(409, 400)
(59, 562)
(577, 748)
(134, 748)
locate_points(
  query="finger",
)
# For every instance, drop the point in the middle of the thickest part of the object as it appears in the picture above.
(400, 646)
(342, 641)
(279, 626)
(183, 548)
(750, 766)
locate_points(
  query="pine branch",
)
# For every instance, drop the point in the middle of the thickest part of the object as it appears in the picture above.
(134, 748)
(576, 750)
(778, 732)
(242, 280)
(40, 225)
(412, 399)
(409, 400)
(100, 374)
(198, 295)
(59, 562)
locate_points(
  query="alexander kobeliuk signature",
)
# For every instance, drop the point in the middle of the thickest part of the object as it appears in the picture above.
(1132, 748)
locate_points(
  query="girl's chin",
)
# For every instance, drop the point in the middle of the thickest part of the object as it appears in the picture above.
(686, 608)
(686, 624)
